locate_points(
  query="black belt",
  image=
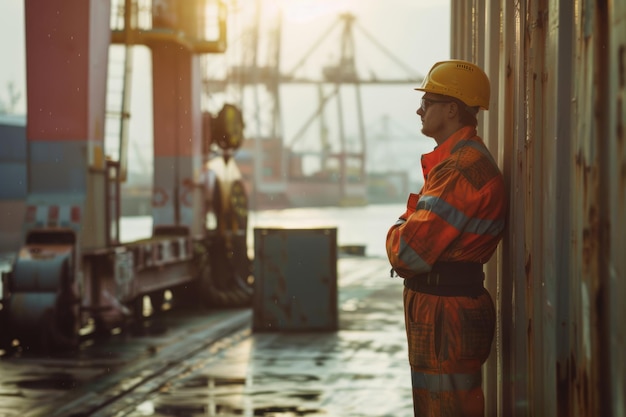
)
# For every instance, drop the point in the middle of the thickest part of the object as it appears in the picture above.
(451, 279)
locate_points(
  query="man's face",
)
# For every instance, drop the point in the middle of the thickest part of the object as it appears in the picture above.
(432, 110)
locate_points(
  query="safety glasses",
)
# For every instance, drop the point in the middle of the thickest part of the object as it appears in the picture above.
(427, 102)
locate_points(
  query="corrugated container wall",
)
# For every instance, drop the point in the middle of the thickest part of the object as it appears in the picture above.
(556, 123)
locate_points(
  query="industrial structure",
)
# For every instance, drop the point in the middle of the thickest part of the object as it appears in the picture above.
(72, 271)
(274, 166)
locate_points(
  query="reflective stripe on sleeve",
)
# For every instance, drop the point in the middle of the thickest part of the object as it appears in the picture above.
(458, 219)
(411, 258)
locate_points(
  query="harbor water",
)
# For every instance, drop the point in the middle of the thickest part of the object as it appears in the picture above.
(365, 226)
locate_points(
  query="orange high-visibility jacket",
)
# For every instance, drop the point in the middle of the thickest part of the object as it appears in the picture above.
(459, 215)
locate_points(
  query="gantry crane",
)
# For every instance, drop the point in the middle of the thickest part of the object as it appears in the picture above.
(342, 175)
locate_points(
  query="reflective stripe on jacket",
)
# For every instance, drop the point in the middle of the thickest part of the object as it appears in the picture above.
(460, 213)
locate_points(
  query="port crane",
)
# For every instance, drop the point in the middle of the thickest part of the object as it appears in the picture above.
(277, 161)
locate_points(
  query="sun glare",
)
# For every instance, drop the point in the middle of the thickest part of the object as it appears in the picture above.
(298, 11)
(305, 10)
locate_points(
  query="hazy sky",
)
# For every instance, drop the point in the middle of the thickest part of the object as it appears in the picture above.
(416, 32)
(12, 47)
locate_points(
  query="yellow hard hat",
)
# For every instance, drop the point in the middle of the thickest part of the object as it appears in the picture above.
(458, 79)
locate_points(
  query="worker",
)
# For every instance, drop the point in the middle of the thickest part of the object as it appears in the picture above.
(440, 243)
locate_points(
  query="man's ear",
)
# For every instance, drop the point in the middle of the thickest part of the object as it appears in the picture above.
(453, 109)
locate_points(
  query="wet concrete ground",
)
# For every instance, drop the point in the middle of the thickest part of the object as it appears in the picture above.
(360, 370)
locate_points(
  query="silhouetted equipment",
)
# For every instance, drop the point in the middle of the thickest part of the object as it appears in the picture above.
(228, 128)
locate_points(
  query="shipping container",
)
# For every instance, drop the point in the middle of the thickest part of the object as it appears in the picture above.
(556, 124)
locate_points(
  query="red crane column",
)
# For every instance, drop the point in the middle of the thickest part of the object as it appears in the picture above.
(177, 133)
(66, 64)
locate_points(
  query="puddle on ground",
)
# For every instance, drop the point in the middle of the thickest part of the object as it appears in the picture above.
(207, 381)
(206, 395)
(284, 411)
(185, 410)
(56, 381)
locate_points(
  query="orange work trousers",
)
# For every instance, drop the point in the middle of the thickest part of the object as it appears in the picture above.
(449, 338)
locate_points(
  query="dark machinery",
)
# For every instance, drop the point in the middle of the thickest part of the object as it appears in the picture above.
(72, 271)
